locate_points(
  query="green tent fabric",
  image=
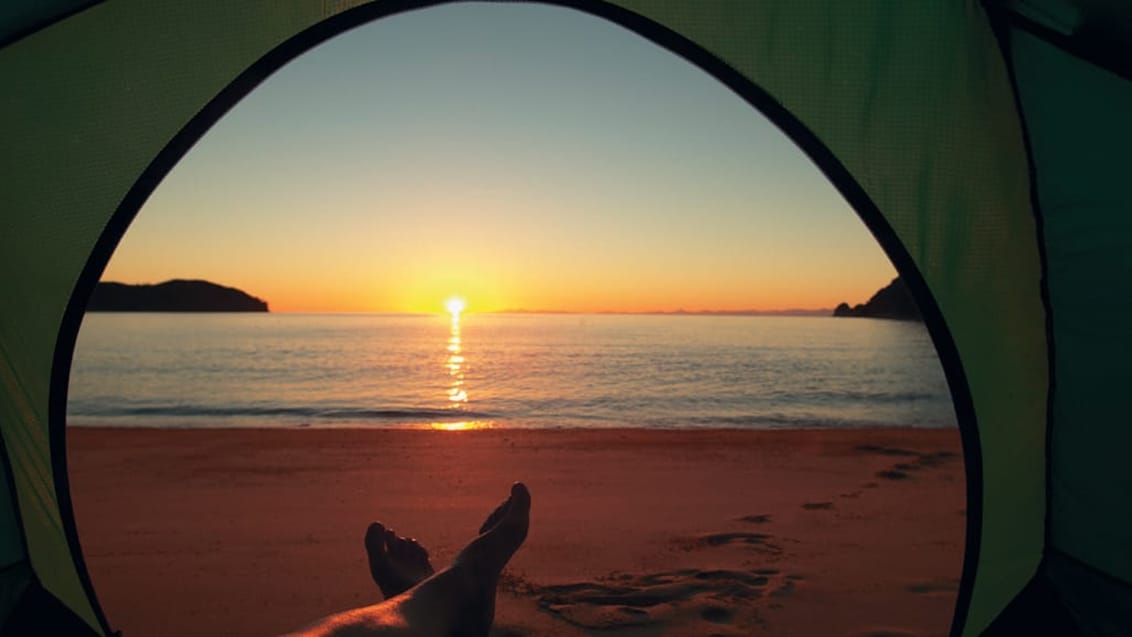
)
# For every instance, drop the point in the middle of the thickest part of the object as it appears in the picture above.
(983, 145)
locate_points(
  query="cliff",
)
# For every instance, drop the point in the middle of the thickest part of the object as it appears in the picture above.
(891, 302)
(177, 295)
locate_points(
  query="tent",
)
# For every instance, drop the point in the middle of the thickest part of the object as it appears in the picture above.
(984, 145)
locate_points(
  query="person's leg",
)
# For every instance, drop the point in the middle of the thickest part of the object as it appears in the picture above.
(456, 602)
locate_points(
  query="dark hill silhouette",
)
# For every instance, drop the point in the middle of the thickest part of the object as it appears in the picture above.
(891, 302)
(178, 295)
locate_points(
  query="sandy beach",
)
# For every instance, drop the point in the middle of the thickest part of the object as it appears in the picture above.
(634, 533)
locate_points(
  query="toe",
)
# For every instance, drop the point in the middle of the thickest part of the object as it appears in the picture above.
(418, 552)
(517, 504)
(495, 516)
(492, 549)
(375, 539)
(374, 530)
(397, 547)
(520, 500)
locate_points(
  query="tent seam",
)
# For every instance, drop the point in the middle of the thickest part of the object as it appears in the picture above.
(1001, 25)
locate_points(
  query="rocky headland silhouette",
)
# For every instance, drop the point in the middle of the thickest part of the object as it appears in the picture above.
(893, 301)
(177, 295)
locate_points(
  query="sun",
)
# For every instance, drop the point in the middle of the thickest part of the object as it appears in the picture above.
(455, 305)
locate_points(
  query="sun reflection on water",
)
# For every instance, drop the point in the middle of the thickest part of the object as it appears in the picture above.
(457, 395)
(463, 425)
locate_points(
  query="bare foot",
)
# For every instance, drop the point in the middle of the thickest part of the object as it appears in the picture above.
(396, 563)
(456, 602)
(501, 534)
(469, 584)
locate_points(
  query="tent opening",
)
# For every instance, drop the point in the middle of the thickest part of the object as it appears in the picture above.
(492, 253)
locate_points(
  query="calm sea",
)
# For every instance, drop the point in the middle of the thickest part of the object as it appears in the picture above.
(286, 370)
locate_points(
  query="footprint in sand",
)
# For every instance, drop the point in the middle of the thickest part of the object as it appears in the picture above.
(817, 506)
(942, 586)
(937, 458)
(786, 589)
(717, 614)
(885, 451)
(671, 598)
(759, 541)
(893, 474)
(901, 470)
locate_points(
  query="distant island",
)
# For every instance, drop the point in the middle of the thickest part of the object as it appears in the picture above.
(178, 295)
(792, 312)
(891, 302)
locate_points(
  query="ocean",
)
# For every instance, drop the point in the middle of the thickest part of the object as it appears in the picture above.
(501, 370)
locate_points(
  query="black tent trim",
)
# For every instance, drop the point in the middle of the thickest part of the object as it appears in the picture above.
(660, 35)
(57, 429)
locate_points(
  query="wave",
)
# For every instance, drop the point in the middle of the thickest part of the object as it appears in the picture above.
(310, 412)
(772, 421)
(851, 395)
(548, 417)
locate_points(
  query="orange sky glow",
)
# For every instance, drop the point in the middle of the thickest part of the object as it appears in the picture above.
(476, 150)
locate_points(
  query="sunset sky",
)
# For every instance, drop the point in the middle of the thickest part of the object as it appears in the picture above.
(522, 157)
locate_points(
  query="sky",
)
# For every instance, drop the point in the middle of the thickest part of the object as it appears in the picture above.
(517, 156)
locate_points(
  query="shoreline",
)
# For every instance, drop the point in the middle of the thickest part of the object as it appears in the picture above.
(727, 531)
(475, 426)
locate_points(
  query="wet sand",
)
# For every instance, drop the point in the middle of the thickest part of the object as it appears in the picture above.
(634, 533)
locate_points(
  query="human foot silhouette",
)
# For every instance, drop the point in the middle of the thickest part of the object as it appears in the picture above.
(396, 563)
(478, 566)
(458, 601)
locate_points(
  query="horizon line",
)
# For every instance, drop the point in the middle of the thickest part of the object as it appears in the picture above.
(795, 311)
(680, 312)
